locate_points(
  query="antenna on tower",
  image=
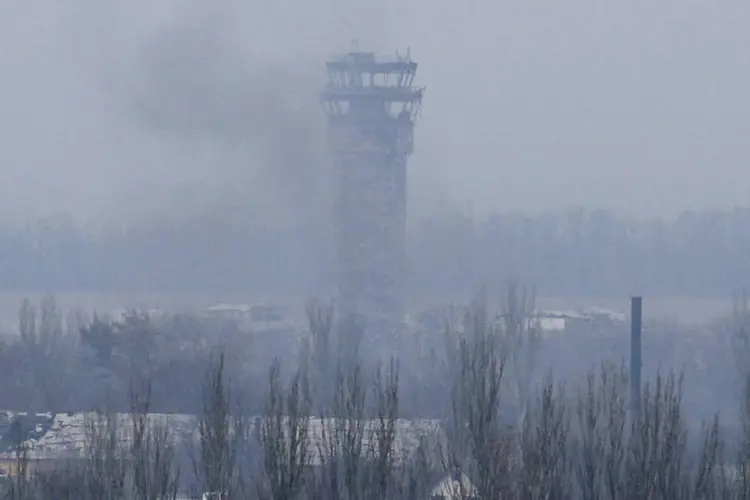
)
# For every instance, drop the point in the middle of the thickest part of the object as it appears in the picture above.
(355, 45)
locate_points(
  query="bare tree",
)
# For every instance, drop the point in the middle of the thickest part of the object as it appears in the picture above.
(419, 471)
(356, 457)
(75, 320)
(105, 462)
(601, 438)
(383, 435)
(220, 434)
(743, 449)
(50, 325)
(338, 449)
(284, 436)
(710, 480)
(321, 350)
(590, 446)
(19, 488)
(154, 474)
(546, 461)
(655, 460)
(476, 437)
(346, 429)
(138, 345)
(521, 336)
(27, 316)
(36, 368)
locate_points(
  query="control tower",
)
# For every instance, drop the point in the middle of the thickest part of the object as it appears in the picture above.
(371, 106)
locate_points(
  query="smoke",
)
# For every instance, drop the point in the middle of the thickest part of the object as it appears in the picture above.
(238, 83)
(128, 110)
(257, 114)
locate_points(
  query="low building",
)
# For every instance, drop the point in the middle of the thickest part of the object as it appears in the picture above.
(456, 486)
(256, 318)
(44, 441)
(47, 440)
(11, 464)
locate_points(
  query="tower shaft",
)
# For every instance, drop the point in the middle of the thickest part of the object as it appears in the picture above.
(371, 108)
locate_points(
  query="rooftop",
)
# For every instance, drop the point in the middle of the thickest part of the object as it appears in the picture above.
(64, 435)
(367, 62)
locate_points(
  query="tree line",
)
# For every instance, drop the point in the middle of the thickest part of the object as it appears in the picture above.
(506, 424)
(577, 252)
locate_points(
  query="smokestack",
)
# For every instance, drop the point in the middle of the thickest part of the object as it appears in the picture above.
(636, 328)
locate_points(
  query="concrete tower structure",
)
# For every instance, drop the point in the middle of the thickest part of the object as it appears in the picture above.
(371, 106)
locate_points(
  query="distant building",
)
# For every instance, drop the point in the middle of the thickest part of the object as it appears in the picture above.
(257, 318)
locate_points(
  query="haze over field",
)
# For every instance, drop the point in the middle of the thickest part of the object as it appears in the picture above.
(129, 109)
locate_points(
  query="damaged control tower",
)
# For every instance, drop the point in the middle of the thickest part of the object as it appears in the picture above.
(371, 107)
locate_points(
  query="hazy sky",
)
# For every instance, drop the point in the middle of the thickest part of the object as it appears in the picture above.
(126, 107)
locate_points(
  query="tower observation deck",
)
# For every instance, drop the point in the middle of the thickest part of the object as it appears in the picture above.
(371, 107)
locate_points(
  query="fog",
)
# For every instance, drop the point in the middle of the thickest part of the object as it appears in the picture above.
(160, 157)
(126, 109)
(131, 111)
